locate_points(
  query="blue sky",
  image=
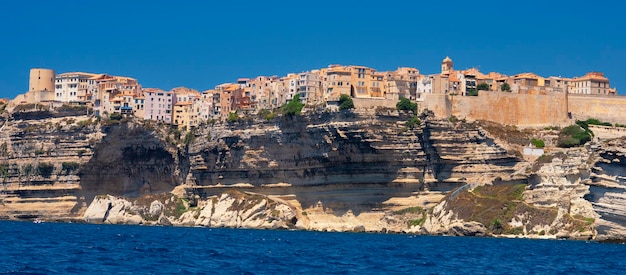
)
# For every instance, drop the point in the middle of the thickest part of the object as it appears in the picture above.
(200, 44)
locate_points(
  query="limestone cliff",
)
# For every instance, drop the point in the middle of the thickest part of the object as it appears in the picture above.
(232, 209)
(53, 164)
(347, 171)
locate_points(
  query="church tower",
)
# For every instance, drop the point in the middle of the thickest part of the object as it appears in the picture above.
(447, 66)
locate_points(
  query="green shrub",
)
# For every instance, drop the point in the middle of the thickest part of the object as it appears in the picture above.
(406, 105)
(294, 107)
(68, 167)
(483, 87)
(232, 117)
(574, 135)
(413, 122)
(45, 169)
(189, 137)
(538, 143)
(472, 92)
(593, 121)
(505, 87)
(115, 116)
(345, 102)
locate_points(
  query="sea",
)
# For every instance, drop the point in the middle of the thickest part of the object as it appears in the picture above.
(71, 248)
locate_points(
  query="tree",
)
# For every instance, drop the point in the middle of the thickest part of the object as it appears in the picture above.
(406, 105)
(413, 122)
(505, 87)
(232, 117)
(483, 87)
(574, 135)
(345, 102)
(294, 107)
(472, 92)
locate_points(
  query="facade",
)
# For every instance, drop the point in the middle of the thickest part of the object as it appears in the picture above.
(73, 87)
(402, 82)
(309, 87)
(158, 105)
(336, 82)
(185, 117)
(592, 83)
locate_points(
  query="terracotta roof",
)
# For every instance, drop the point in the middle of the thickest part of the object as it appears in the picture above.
(598, 76)
(527, 76)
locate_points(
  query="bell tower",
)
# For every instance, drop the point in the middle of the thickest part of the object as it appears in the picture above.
(447, 66)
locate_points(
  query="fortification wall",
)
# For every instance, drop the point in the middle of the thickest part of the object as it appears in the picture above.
(369, 103)
(505, 108)
(605, 108)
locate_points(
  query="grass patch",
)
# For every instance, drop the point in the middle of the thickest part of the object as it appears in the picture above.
(495, 206)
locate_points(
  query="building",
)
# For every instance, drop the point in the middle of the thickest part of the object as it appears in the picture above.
(336, 82)
(402, 82)
(309, 87)
(74, 87)
(592, 83)
(158, 105)
(185, 117)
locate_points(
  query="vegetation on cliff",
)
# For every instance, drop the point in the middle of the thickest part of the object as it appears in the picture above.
(406, 105)
(345, 102)
(294, 107)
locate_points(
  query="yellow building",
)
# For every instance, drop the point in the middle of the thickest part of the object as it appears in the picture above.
(336, 82)
(184, 115)
(401, 83)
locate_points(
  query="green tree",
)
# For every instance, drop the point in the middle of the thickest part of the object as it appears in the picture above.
(232, 117)
(345, 102)
(505, 87)
(472, 92)
(413, 122)
(573, 135)
(115, 116)
(406, 105)
(483, 87)
(294, 107)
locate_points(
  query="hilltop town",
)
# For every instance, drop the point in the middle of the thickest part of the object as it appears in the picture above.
(551, 166)
(186, 108)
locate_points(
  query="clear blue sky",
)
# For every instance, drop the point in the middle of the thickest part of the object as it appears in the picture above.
(200, 44)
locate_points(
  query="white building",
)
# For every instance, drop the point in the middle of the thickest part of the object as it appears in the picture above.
(158, 105)
(73, 87)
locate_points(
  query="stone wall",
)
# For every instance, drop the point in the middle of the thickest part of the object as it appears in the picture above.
(505, 108)
(369, 103)
(604, 108)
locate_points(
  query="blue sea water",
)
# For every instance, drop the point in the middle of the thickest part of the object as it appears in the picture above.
(62, 248)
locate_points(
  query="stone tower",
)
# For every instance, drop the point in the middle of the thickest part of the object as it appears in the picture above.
(41, 80)
(447, 66)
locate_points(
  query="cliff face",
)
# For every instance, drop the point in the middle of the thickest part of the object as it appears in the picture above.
(607, 188)
(346, 148)
(52, 165)
(359, 171)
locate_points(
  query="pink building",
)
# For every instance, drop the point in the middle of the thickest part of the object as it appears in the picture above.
(158, 105)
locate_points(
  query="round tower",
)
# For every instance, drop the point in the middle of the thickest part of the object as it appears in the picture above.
(41, 80)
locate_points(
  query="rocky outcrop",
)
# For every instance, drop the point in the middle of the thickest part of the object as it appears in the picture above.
(607, 188)
(231, 209)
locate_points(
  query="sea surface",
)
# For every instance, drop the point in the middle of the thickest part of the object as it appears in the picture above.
(64, 248)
